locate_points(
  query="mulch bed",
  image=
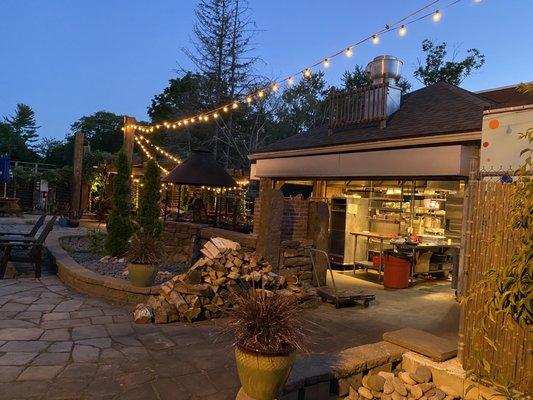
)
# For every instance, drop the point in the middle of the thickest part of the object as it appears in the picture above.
(81, 250)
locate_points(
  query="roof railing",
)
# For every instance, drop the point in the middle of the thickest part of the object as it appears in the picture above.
(359, 106)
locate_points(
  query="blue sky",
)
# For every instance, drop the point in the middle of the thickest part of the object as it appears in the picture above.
(70, 58)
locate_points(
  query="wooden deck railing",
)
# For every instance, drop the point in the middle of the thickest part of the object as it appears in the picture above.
(357, 106)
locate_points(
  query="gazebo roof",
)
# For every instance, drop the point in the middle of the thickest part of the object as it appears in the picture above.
(200, 169)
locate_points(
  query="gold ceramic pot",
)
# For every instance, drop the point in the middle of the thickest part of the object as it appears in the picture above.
(263, 376)
(141, 274)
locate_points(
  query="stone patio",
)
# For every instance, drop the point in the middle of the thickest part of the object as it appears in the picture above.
(56, 343)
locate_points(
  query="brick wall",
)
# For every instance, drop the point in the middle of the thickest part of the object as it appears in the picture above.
(294, 223)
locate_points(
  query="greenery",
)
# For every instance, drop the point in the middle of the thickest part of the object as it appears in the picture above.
(144, 248)
(267, 323)
(119, 228)
(436, 69)
(96, 240)
(24, 125)
(149, 212)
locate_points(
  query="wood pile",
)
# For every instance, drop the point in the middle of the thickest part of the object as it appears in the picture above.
(206, 289)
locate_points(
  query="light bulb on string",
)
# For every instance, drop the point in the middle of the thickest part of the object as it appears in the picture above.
(235, 105)
(215, 115)
(325, 63)
(402, 31)
(307, 73)
(375, 39)
(274, 87)
(248, 99)
(261, 94)
(290, 81)
(225, 109)
(348, 52)
(437, 16)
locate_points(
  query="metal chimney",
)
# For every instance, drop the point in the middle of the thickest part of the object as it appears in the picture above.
(385, 70)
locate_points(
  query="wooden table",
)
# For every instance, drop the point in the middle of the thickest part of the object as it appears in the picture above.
(365, 263)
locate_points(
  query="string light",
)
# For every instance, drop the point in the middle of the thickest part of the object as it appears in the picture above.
(160, 150)
(261, 94)
(402, 31)
(400, 25)
(149, 155)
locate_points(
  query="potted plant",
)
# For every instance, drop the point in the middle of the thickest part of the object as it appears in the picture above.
(267, 334)
(143, 256)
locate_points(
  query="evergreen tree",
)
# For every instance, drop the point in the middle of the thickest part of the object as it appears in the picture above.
(119, 228)
(149, 212)
(23, 122)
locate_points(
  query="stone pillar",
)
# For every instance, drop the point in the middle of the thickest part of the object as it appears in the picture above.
(77, 169)
(269, 234)
(129, 137)
(318, 232)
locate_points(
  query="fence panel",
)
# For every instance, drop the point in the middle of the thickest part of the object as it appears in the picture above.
(490, 243)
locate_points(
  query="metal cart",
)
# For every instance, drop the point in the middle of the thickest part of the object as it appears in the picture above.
(340, 298)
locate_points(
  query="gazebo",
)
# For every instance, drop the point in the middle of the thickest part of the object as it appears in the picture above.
(200, 170)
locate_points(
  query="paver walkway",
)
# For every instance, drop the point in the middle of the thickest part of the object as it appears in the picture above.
(58, 344)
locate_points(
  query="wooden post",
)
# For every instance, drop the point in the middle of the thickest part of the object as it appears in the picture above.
(270, 220)
(77, 169)
(129, 137)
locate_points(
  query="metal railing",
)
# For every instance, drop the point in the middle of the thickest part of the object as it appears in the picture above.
(357, 106)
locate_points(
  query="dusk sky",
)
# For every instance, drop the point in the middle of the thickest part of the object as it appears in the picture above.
(68, 58)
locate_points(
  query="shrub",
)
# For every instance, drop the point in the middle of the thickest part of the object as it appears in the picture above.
(266, 322)
(149, 211)
(119, 227)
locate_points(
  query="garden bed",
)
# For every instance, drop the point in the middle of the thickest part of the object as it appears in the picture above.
(88, 252)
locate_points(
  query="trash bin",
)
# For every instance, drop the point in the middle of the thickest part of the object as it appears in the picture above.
(396, 270)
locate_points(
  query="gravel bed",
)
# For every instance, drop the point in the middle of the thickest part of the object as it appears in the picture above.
(79, 248)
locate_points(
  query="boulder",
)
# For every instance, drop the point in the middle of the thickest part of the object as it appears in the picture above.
(364, 392)
(399, 386)
(375, 382)
(422, 374)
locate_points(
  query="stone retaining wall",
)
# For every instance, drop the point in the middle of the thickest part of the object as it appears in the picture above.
(329, 375)
(295, 259)
(180, 240)
(89, 282)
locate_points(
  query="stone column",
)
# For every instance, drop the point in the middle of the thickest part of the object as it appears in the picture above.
(318, 231)
(270, 218)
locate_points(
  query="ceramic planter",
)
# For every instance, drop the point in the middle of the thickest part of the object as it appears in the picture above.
(263, 376)
(141, 274)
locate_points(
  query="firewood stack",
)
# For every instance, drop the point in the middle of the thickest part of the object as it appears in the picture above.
(207, 288)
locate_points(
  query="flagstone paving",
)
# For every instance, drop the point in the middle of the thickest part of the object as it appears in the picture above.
(56, 343)
(86, 348)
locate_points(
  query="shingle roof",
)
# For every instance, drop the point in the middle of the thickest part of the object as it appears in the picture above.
(507, 97)
(433, 110)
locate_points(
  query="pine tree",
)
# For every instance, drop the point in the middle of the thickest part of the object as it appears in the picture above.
(149, 212)
(23, 122)
(119, 228)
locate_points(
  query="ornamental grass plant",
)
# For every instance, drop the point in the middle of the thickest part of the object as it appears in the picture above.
(266, 322)
(144, 248)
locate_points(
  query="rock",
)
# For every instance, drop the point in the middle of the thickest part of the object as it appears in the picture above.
(386, 375)
(449, 398)
(422, 374)
(399, 386)
(143, 314)
(448, 390)
(426, 386)
(386, 397)
(364, 392)
(397, 396)
(406, 378)
(430, 392)
(423, 398)
(375, 382)
(415, 391)
(364, 382)
(388, 387)
(376, 394)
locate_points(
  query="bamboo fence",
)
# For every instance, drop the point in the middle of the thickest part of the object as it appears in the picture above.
(490, 243)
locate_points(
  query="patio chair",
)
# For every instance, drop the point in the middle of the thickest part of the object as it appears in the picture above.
(24, 249)
(31, 233)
